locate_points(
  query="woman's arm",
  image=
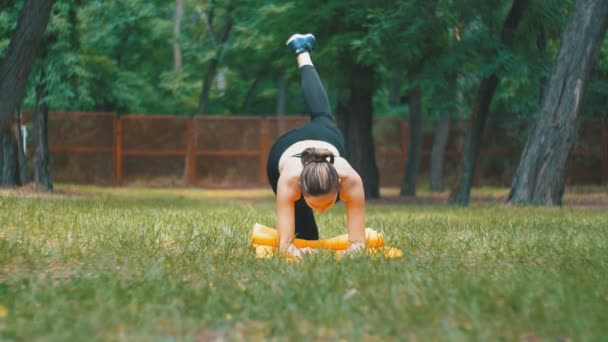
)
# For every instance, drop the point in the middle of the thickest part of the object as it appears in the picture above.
(285, 212)
(288, 192)
(353, 195)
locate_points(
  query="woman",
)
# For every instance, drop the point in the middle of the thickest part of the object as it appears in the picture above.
(306, 170)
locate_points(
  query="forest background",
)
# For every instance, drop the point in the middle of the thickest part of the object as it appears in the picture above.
(541, 65)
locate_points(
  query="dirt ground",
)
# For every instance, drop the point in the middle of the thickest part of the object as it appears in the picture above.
(31, 190)
(587, 200)
(588, 197)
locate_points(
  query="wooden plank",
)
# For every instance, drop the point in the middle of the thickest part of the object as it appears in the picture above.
(79, 149)
(249, 117)
(229, 153)
(64, 113)
(154, 152)
(155, 117)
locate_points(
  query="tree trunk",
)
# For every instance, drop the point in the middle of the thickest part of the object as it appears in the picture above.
(42, 174)
(177, 50)
(394, 98)
(19, 57)
(281, 95)
(281, 103)
(342, 116)
(24, 172)
(9, 156)
(541, 44)
(539, 178)
(204, 98)
(480, 112)
(408, 187)
(479, 117)
(438, 152)
(8, 161)
(250, 92)
(440, 140)
(212, 69)
(355, 119)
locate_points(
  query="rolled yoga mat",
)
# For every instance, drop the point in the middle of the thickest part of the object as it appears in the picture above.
(266, 240)
(267, 236)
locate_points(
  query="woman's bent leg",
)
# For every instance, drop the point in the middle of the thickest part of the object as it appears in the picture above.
(306, 227)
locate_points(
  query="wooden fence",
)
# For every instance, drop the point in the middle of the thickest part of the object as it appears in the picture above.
(232, 150)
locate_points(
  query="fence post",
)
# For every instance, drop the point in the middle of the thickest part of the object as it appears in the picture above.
(117, 149)
(264, 149)
(190, 151)
(405, 132)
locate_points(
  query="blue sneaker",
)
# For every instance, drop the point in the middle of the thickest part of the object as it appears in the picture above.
(299, 43)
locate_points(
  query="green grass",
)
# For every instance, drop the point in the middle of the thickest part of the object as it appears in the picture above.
(162, 265)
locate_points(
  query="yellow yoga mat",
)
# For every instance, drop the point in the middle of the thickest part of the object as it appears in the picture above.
(266, 240)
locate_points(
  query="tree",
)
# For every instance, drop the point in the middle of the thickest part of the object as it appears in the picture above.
(354, 114)
(15, 68)
(11, 155)
(406, 37)
(481, 110)
(448, 98)
(17, 62)
(42, 172)
(219, 42)
(440, 138)
(125, 54)
(177, 49)
(357, 80)
(540, 175)
(414, 153)
(426, 23)
(57, 83)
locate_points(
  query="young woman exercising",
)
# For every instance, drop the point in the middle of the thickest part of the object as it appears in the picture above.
(306, 170)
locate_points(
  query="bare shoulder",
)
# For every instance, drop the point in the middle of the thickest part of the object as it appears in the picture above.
(344, 169)
(288, 187)
(351, 185)
(291, 168)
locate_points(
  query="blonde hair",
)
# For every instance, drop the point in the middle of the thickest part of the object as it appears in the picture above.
(319, 176)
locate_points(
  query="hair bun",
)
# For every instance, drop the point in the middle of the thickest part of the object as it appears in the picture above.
(319, 176)
(317, 155)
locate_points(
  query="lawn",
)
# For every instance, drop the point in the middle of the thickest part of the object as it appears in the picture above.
(164, 265)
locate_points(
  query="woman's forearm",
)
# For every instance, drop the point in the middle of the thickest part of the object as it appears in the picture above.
(355, 220)
(355, 211)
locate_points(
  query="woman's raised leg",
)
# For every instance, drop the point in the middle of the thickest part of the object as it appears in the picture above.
(313, 91)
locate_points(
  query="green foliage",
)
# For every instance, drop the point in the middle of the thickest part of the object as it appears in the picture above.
(118, 55)
(131, 42)
(135, 264)
(8, 21)
(595, 100)
(60, 67)
(525, 68)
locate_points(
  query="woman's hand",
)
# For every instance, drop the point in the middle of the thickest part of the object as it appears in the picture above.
(291, 251)
(355, 247)
(352, 250)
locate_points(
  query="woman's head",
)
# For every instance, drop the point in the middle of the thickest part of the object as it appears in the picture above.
(319, 180)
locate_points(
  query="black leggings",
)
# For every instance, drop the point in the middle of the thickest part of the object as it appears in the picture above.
(321, 127)
(315, 98)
